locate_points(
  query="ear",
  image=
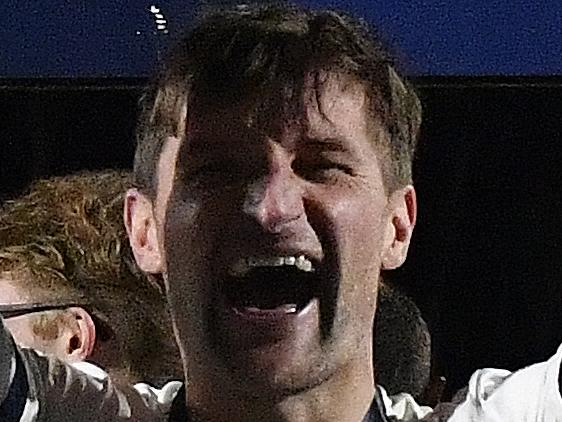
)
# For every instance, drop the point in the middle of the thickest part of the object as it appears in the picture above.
(142, 229)
(402, 214)
(78, 336)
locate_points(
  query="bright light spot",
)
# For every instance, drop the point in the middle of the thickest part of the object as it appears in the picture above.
(154, 9)
(161, 26)
(159, 16)
(137, 32)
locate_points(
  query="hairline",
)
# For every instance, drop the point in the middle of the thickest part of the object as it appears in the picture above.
(379, 135)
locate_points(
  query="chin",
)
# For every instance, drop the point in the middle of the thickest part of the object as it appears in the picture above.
(281, 379)
(276, 371)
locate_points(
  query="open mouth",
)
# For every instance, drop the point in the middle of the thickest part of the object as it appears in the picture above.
(275, 285)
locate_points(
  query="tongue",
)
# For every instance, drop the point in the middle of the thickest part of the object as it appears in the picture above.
(278, 289)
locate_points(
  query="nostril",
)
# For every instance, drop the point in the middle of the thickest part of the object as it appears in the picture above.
(274, 200)
(273, 213)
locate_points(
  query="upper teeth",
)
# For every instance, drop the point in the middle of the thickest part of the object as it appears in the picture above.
(244, 265)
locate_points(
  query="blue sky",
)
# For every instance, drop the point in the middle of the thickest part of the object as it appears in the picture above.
(112, 38)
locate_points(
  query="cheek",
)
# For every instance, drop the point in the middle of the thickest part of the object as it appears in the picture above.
(192, 235)
(180, 226)
(199, 222)
(358, 229)
(358, 225)
(179, 233)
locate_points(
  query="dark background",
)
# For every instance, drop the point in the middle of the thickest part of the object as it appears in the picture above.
(486, 259)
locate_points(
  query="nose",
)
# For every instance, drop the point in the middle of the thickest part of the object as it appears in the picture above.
(275, 201)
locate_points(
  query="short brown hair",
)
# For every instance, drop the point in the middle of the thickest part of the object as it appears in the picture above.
(66, 239)
(265, 52)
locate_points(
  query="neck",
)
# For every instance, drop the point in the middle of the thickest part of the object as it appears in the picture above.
(347, 395)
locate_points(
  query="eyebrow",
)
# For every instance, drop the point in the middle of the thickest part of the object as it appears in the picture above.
(327, 144)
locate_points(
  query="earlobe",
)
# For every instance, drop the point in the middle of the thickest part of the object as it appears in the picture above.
(402, 214)
(142, 230)
(80, 342)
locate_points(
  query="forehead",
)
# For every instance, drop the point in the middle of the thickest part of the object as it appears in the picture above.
(328, 105)
(340, 104)
(23, 284)
(12, 291)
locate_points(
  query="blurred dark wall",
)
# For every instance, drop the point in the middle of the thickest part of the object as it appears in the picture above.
(486, 260)
(56, 127)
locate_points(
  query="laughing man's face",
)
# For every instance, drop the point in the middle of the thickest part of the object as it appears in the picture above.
(274, 242)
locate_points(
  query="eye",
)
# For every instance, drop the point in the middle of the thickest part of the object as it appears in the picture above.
(322, 170)
(210, 170)
(220, 174)
(214, 173)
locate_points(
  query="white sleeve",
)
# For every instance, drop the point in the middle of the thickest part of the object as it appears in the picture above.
(402, 407)
(153, 397)
(159, 397)
(529, 395)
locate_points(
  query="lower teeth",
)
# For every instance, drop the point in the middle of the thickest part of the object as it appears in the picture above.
(286, 308)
